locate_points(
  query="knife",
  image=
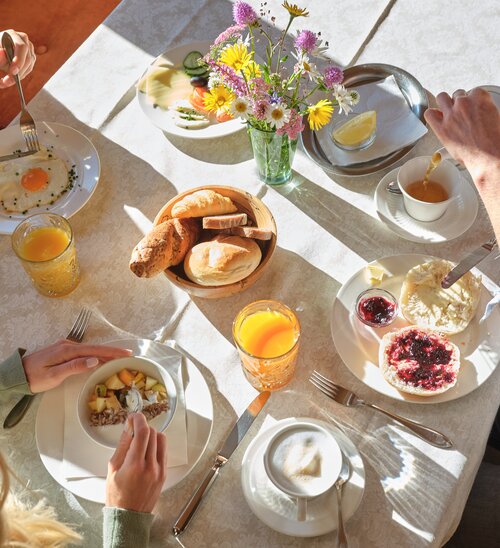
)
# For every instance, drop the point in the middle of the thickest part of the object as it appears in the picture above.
(468, 263)
(237, 434)
(16, 155)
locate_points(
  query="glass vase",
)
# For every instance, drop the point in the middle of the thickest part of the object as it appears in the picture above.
(273, 155)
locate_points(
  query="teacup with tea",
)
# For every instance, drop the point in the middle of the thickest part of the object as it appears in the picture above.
(428, 199)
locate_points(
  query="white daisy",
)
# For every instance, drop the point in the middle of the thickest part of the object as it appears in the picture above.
(305, 66)
(344, 98)
(278, 116)
(214, 80)
(319, 51)
(240, 107)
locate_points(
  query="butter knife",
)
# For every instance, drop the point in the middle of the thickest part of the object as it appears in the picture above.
(237, 434)
(16, 155)
(468, 263)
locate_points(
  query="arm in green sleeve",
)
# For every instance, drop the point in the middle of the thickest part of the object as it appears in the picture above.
(12, 376)
(125, 528)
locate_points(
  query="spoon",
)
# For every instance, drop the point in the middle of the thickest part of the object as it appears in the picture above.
(344, 475)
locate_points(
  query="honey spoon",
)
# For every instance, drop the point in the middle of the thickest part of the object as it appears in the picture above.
(435, 161)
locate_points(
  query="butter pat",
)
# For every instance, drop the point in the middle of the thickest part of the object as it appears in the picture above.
(376, 273)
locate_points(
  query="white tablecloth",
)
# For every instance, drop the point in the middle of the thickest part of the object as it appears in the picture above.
(328, 229)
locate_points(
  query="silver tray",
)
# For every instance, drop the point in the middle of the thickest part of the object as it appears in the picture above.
(412, 91)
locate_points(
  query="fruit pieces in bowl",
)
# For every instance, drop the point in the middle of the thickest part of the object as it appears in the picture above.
(128, 391)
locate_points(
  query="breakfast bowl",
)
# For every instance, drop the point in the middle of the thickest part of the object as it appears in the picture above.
(104, 421)
(259, 217)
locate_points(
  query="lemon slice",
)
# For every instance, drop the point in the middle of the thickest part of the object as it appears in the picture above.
(358, 130)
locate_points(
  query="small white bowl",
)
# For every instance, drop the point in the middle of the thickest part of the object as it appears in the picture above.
(109, 436)
(446, 174)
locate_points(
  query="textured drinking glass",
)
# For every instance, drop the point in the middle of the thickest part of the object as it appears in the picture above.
(273, 155)
(54, 277)
(267, 373)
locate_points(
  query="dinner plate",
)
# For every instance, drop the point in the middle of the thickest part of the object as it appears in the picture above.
(457, 219)
(77, 152)
(277, 510)
(358, 344)
(49, 428)
(165, 120)
(412, 91)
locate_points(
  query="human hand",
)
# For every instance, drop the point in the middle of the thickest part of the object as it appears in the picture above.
(23, 61)
(48, 367)
(468, 125)
(137, 469)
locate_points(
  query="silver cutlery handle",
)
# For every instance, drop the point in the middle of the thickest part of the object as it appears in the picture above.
(8, 45)
(428, 434)
(341, 536)
(193, 503)
(18, 411)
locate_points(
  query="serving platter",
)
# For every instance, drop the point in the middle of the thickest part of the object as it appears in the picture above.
(358, 344)
(358, 75)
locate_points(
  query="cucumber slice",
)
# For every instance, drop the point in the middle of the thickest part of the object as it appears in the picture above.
(191, 60)
(198, 71)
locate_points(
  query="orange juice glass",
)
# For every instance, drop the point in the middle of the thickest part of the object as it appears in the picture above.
(45, 245)
(267, 335)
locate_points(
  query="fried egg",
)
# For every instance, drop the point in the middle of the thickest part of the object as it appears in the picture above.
(32, 181)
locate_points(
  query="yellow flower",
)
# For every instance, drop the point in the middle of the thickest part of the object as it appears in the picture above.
(218, 99)
(236, 56)
(319, 114)
(252, 70)
(294, 10)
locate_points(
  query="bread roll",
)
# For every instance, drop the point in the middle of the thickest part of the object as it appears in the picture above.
(165, 245)
(203, 203)
(425, 303)
(419, 361)
(222, 261)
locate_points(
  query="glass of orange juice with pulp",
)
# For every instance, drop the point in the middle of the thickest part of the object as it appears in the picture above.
(45, 245)
(267, 335)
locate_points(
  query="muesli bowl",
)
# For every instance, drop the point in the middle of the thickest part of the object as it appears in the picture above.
(110, 424)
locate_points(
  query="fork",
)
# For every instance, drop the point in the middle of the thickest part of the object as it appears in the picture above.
(76, 335)
(28, 128)
(349, 399)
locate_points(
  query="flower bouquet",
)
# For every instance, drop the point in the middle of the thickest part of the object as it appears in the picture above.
(270, 96)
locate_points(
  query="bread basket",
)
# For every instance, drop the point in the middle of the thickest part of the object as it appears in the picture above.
(261, 217)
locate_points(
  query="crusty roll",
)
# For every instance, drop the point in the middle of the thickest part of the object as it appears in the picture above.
(165, 245)
(203, 203)
(222, 261)
(419, 361)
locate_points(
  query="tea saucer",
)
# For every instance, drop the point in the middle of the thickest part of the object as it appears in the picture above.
(457, 219)
(277, 510)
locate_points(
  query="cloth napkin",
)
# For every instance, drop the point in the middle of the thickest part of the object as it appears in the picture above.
(84, 458)
(397, 125)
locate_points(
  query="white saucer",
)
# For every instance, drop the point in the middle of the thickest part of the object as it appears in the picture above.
(49, 429)
(458, 218)
(277, 510)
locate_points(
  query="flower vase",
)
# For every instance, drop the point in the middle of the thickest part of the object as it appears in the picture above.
(273, 154)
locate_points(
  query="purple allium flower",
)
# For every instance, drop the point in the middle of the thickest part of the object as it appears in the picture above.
(333, 76)
(260, 109)
(243, 13)
(231, 32)
(306, 41)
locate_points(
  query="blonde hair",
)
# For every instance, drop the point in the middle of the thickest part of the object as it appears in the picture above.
(36, 527)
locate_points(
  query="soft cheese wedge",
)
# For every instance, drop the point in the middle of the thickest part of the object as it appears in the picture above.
(166, 85)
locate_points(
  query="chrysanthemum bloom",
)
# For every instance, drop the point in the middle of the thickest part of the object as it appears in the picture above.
(278, 116)
(218, 99)
(231, 32)
(294, 10)
(319, 114)
(244, 14)
(306, 41)
(240, 107)
(236, 56)
(333, 76)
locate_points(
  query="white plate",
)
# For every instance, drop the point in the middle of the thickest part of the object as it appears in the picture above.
(277, 510)
(49, 427)
(74, 149)
(458, 218)
(165, 120)
(358, 344)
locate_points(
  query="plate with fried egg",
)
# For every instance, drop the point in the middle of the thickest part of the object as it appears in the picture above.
(60, 178)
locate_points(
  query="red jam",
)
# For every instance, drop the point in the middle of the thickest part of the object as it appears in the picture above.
(427, 360)
(376, 310)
